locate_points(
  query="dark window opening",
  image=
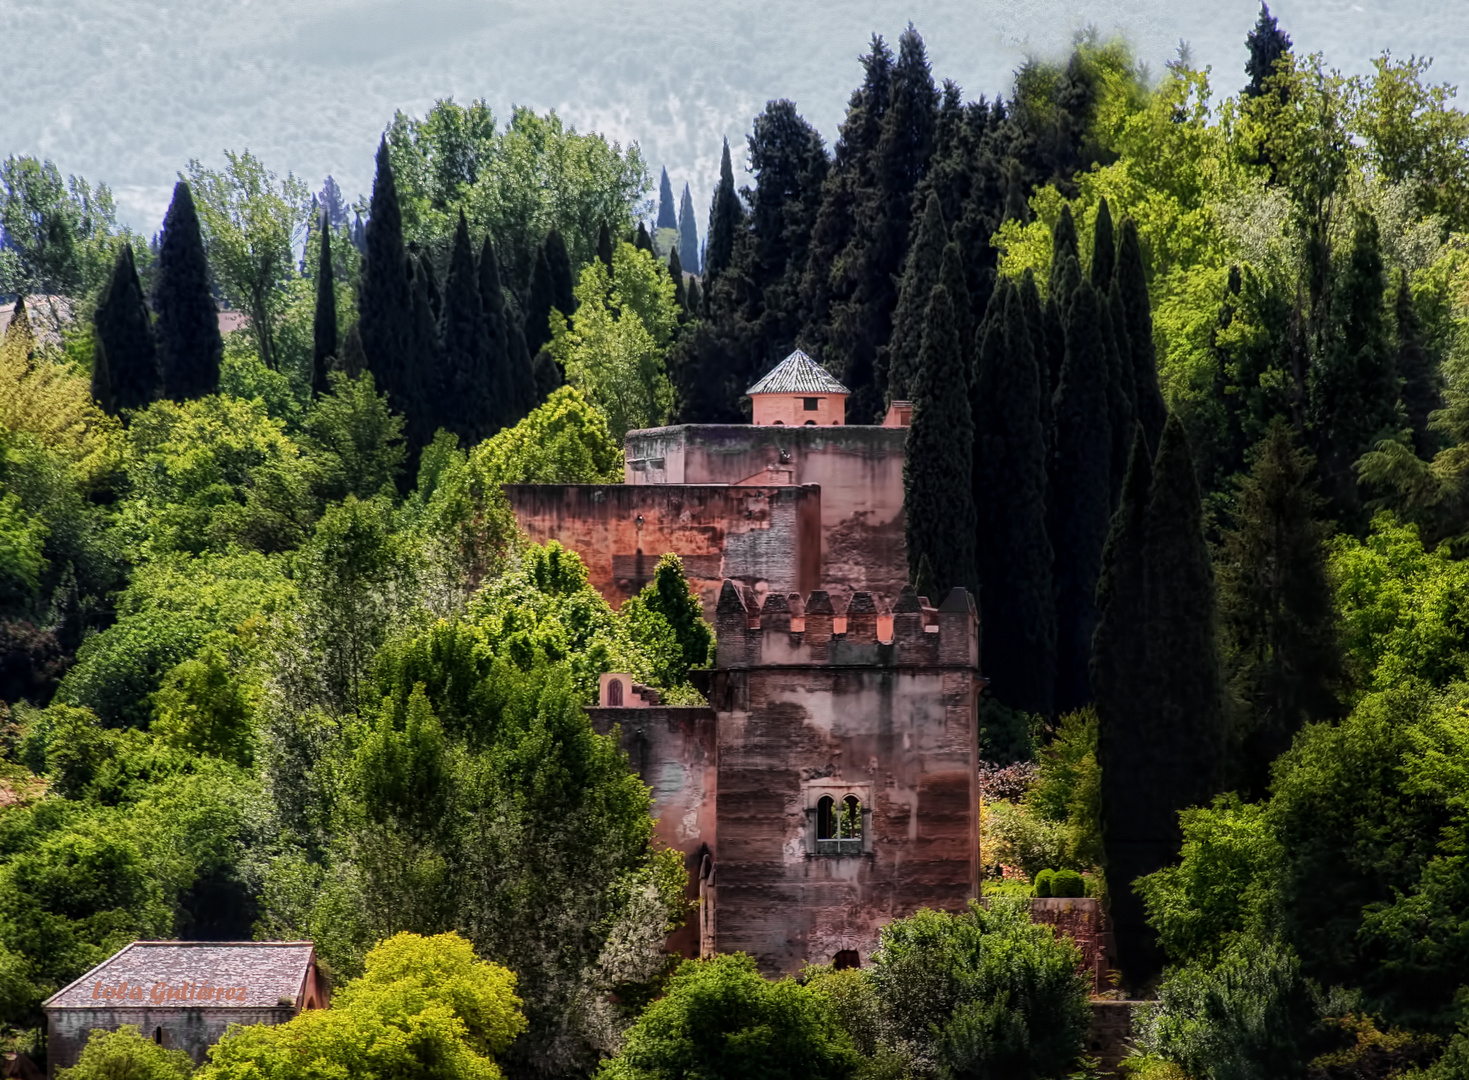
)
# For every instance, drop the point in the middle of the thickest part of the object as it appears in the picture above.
(779, 423)
(825, 819)
(846, 958)
(851, 823)
(810, 404)
(810, 423)
(158, 1035)
(614, 693)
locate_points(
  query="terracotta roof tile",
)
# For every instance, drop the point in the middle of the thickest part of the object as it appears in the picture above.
(268, 970)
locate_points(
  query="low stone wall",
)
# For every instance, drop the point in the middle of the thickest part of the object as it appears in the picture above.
(1110, 1031)
(1080, 919)
(192, 1030)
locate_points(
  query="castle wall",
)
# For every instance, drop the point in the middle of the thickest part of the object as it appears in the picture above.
(859, 470)
(765, 537)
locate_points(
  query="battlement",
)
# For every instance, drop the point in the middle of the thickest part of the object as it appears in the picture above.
(787, 631)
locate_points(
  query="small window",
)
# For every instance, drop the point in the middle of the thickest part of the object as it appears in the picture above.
(778, 423)
(158, 1035)
(810, 404)
(846, 958)
(614, 694)
(839, 826)
(810, 423)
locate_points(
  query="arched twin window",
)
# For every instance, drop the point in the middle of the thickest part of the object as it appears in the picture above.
(839, 826)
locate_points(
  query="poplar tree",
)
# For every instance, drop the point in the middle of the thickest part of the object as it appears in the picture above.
(125, 360)
(1277, 608)
(688, 233)
(1267, 43)
(898, 360)
(470, 408)
(1081, 478)
(324, 319)
(1132, 284)
(189, 345)
(725, 215)
(1017, 603)
(667, 219)
(938, 466)
(385, 321)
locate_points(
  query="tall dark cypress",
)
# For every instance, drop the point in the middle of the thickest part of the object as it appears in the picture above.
(1267, 43)
(725, 215)
(324, 319)
(696, 298)
(470, 410)
(1121, 414)
(675, 274)
(1064, 246)
(604, 246)
(189, 345)
(898, 360)
(1104, 249)
(539, 304)
(688, 233)
(385, 301)
(951, 277)
(510, 392)
(1133, 285)
(1081, 504)
(125, 362)
(1422, 393)
(424, 270)
(667, 218)
(641, 240)
(431, 410)
(1124, 736)
(1035, 321)
(1277, 607)
(938, 467)
(1017, 603)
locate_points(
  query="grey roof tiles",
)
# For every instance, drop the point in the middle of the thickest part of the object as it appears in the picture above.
(798, 374)
(192, 974)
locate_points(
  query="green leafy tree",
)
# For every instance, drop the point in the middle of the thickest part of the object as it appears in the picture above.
(614, 350)
(940, 517)
(189, 345)
(981, 993)
(252, 221)
(669, 597)
(564, 441)
(424, 1006)
(61, 234)
(125, 1054)
(718, 1017)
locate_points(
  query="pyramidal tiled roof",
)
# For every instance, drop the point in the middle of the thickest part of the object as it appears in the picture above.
(798, 374)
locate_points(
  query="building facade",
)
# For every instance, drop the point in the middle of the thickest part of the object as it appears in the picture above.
(184, 994)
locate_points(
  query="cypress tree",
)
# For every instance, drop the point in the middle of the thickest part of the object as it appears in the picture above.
(1055, 340)
(1267, 43)
(1064, 246)
(511, 391)
(1421, 391)
(471, 409)
(1133, 285)
(696, 298)
(1277, 609)
(898, 360)
(189, 345)
(951, 277)
(539, 303)
(353, 361)
(385, 321)
(938, 468)
(688, 233)
(563, 281)
(430, 410)
(1120, 412)
(1104, 250)
(642, 241)
(547, 374)
(522, 376)
(1353, 385)
(1035, 321)
(1009, 484)
(604, 246)
(1119, 670)
(1066, 278)
(675, 273)
(667, 219)
(324, 320)
(725, 215)
(425, 268)
(125, 362)
(1081, 480)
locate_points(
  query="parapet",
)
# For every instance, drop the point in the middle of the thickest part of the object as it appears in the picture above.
(787, 631)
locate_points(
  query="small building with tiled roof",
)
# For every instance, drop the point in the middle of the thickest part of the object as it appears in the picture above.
(184, 994)
(798, 392)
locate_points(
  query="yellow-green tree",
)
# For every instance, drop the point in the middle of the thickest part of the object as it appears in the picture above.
(615, 347)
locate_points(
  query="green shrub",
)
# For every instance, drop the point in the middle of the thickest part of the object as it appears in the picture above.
(125, 1054)
(1045, 883)
(1068, 883)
